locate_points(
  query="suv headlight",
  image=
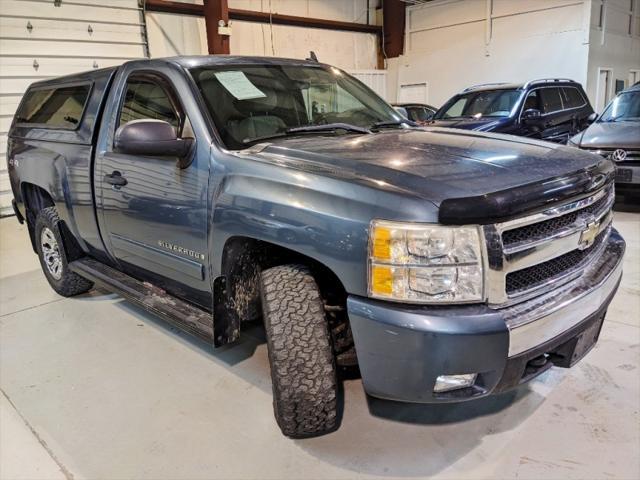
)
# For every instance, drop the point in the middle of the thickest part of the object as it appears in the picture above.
(423, 263)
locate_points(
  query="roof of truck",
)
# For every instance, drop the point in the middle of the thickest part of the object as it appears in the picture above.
(86, 75)
(191, 61)
(187, 61)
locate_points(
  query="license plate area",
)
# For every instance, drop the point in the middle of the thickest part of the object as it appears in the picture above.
(624, 175)
(570, 353)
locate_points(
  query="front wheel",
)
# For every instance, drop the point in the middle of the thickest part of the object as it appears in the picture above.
(53, 257)
(303, 370)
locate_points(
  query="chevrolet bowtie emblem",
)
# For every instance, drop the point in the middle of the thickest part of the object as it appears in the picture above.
(588, 235)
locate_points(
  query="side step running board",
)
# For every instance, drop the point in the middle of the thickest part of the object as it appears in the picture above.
(177, 312)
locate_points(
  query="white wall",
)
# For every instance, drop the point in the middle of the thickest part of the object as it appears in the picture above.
(452, 44)
(611, 46)
(185, 35)
(62, 39)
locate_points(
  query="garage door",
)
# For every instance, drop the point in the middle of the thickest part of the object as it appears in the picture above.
(47, 38)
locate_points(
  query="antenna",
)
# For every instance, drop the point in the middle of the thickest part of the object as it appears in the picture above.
(312, 56)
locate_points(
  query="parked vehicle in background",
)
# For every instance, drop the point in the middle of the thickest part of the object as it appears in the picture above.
(616, 135)
(215, 190)
(419, 113)
(547, 109)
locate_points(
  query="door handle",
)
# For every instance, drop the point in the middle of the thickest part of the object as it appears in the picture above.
(116, 179)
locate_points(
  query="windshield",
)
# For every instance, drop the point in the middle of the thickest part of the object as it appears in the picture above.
(486, 103)
(625, 107)
(419, 114)
(253, 102)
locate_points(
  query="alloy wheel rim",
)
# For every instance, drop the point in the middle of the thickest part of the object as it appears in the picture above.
(51, 253)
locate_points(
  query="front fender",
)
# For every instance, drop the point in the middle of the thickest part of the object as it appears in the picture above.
(324, 218)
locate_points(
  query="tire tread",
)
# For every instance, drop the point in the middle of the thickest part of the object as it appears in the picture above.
(70, 284)
(302, 362)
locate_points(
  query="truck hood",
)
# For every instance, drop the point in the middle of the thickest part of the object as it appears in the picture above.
(436, 164)
(611, 135)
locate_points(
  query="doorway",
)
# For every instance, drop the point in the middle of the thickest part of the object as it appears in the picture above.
(603, 94)
(413, 93)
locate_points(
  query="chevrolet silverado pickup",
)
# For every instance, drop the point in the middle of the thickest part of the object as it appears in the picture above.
(445, 265)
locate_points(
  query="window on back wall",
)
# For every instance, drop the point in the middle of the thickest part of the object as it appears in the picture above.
(54, 107)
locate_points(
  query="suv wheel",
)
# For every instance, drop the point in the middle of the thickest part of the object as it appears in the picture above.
(303, 370)
(53, 257)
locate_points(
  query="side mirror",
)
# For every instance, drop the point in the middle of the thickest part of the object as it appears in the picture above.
(151, 137)
(531, 115)
(592, 118)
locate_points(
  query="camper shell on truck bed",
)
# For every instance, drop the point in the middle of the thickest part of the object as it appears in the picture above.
(445, 264)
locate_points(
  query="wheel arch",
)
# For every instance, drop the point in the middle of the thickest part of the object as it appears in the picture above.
(236, 289)
(35, 199)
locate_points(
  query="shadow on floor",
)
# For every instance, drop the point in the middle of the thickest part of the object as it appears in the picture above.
(397, 440)
(418, 440)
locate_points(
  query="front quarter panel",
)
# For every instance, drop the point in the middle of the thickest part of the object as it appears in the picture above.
(322, 217)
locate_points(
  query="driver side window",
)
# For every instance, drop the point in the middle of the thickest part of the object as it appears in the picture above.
(145, 98)
(532, 101)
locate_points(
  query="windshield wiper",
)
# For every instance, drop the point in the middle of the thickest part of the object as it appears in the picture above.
(328, 127)
(621, 119)
(394, 123)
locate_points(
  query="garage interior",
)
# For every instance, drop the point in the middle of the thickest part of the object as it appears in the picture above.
(95, 387)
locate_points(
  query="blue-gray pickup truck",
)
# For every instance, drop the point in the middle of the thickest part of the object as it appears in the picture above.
(445, 265)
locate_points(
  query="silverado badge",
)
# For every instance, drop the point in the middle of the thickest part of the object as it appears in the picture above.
(182, 250)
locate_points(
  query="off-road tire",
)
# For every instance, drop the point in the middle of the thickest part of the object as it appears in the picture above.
(69, 283)
(302, 363)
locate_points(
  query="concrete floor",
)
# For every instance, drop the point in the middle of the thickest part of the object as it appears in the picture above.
(93, 387)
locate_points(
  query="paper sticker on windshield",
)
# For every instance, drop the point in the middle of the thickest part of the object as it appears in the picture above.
(238, 85)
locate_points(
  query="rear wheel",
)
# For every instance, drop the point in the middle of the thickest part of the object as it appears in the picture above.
(53, 257)
(303, 370)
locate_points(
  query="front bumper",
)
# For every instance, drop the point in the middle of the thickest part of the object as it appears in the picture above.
(402, 349)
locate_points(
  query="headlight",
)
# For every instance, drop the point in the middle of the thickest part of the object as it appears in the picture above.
(424, 263)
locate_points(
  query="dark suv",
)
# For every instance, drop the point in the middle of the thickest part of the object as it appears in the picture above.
(549, 109)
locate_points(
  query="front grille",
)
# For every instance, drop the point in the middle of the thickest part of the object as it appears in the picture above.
(531, 255)
(548, 228)
(537, 275)
(632, 156)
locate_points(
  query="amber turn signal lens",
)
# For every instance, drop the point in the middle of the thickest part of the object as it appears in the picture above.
(381, 280)
(381, 243)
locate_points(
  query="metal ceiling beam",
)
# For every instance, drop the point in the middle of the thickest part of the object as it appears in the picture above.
(393, 15)
(182, 8)
(216, 14)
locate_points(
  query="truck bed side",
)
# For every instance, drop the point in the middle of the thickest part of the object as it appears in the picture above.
(52, 165)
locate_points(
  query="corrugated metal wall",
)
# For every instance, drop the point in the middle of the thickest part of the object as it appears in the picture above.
(48, 38)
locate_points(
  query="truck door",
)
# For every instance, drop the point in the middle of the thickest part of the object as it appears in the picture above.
(153, 210)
